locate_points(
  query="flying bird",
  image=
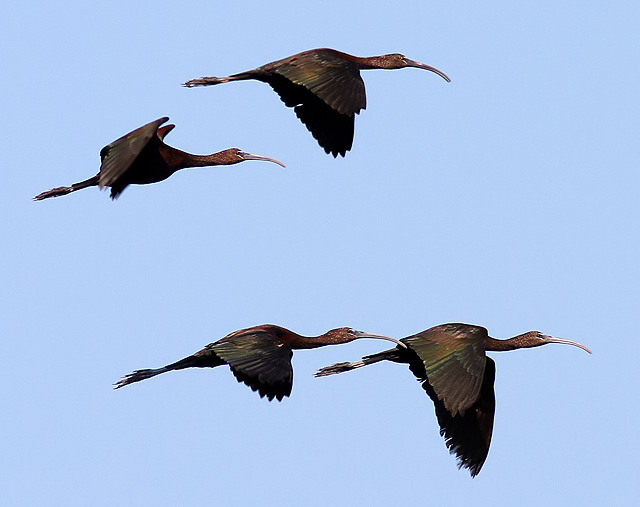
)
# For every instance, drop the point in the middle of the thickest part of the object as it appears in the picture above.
(259, 356)
(142, 157)
(324, 87)
(450, 362)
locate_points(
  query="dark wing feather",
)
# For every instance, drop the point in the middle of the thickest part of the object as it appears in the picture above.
(260, 361)
(118, 156)
(467, 435)
(330, 77)
(332, 130)
(454, 361)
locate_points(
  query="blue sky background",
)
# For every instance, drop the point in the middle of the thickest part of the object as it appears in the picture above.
(507, 198)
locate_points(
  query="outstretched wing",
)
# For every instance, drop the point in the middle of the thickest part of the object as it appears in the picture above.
(450, 362)
(118, 156)
(454, 360)
(468, 435)
(332, 130)
(260, 361)
(329, 76)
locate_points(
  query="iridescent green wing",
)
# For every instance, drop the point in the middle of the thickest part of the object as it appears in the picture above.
(468, 435)
(454, 360)
(118, 156)
(330, 77)
(260, 361)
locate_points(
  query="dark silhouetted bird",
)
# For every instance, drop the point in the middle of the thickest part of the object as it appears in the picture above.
(324, 87)
(142, 157)
(450, 362)
(259, 356)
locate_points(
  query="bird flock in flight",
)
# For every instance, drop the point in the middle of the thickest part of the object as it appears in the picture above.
(326, 91)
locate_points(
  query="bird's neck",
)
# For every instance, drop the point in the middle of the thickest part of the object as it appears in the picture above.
(370, 62)
(179, 159)
(220, 158)
(311, 342)
(521, 341)
(304, 342)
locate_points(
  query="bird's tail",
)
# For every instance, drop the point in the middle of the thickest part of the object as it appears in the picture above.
(211, 80)
(58, 191)
(387, 355)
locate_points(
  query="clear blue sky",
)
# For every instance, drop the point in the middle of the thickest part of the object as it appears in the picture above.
(507, 198)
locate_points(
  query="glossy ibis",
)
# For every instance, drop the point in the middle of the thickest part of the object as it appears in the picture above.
(259, 356)
(450, 362)
(142, 157)
(324, 87)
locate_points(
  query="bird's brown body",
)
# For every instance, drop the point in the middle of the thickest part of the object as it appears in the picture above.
(259, 356)
(324, 87)
(450, 362)
(142, 157)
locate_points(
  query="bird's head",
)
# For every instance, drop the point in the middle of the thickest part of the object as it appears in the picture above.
(536, 339)
(235, 155)
(398, 61)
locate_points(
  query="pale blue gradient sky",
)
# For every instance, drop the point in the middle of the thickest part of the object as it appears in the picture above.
(508, 198)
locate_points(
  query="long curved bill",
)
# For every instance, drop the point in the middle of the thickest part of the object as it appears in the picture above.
(554, 339)
(251, 156)
(363, 334)
(418, 65)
